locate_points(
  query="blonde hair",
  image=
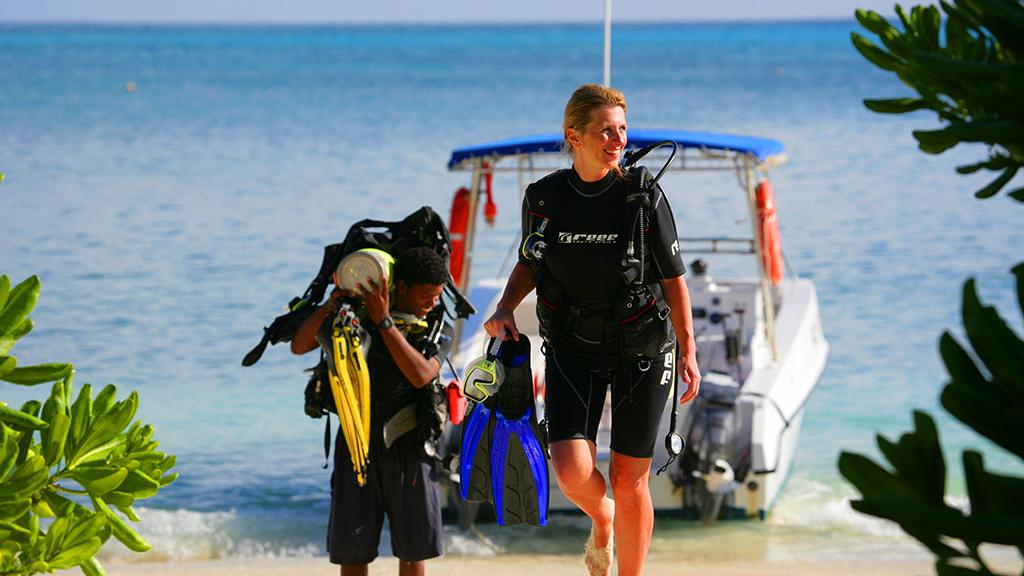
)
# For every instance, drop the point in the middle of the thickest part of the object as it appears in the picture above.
(584, 101)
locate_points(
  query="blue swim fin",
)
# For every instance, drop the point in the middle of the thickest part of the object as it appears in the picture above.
(474, 456)
(519, 472)
(503, 459)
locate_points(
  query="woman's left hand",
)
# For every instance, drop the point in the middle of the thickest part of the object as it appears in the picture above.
(691, 376)
(376, 299)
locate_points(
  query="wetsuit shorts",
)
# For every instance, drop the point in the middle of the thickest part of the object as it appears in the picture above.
(576, 388)
(400, 482)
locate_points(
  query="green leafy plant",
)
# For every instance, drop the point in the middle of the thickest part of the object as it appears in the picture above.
(68, 463)
(973, 77)
(969, 69)
(986, 392)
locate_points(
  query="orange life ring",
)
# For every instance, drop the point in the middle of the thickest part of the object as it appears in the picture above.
(768, 232)
(457, 224)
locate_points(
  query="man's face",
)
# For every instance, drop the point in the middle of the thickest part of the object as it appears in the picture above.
(418, 299)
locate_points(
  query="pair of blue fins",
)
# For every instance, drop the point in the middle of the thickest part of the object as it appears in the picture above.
(503, 459)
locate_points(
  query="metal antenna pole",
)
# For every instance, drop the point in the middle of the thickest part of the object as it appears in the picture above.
(607, 43)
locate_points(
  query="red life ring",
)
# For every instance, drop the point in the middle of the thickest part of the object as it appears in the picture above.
(768, 232)
(457, 224)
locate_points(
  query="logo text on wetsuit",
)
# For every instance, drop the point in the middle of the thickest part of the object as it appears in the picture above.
(570, 238)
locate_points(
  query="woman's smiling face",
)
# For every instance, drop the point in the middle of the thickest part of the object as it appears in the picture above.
(598, 147)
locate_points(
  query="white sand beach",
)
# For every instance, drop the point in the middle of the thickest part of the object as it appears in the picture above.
(519, 565)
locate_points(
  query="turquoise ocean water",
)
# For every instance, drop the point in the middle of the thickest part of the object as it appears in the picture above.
(168, 225)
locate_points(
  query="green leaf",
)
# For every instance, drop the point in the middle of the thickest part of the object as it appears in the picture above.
(99, 480)
(107, 426)
(139, 485)
(96, 454)
(168, 463)
(995, 343)
(54, 437)
(974, 473)
(13, 509)
(1017, 194)
(55, 537)
(991, 417)
(87, 525)
(21, 330)
(19, 304)
(19, 420)
(958, 363)
(92, 567)
(119, 499)
(996, 185)
(996, 162)
(7, 342)
(41, 508)
(81, 418)
(104, 400)
(988, 131)
(26, 480)
(871, 479)
(896, 105)
(122, 531)
(876, 55)
(7, 363)
(62, 506)
(8, 451)
(76, 555)
(31, 408)
(872, 21)
(929, 23)
(5, 290)
(39, 374)
(167, 479)
(129, 513)
(14, 532)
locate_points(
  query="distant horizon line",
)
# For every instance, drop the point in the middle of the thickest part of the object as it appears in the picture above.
(414, 23)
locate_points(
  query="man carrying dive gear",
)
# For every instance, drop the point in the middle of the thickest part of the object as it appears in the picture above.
(397, 478)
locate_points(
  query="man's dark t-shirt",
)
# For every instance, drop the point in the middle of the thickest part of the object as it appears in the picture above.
(390, 390)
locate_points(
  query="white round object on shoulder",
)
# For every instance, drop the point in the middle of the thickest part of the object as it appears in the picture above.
(362, 264)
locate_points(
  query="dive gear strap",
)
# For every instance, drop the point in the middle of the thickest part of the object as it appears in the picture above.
(403, 422)
(674, 442)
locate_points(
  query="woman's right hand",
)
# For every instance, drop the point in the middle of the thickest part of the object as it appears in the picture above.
(502, 322)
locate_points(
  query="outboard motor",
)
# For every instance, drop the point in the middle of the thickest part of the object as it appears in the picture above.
(707, 469)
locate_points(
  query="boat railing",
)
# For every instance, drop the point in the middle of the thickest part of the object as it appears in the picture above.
(717, 245)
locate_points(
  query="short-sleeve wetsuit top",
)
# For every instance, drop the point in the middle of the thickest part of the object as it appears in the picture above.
(587, 233)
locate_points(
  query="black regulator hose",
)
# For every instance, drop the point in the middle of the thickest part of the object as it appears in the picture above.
(634, 156)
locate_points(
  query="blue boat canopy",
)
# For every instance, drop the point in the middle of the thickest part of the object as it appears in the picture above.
(760, 148)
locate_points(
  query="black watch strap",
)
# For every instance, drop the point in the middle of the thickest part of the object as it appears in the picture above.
(386, 323)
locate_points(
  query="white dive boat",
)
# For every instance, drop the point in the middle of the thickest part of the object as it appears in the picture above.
(760, 343)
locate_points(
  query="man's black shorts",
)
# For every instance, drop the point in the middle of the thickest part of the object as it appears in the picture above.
(400, 482)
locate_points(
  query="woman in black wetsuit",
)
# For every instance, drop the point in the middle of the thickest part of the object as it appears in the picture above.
(583, 217)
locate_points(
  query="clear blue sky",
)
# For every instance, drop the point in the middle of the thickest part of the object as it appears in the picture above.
(416, 11)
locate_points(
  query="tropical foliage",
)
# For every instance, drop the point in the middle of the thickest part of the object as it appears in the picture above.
(975, 82)
(71, 466)
(966, 63)
(986, 392)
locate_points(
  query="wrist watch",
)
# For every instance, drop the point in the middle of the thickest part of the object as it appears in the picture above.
(386, 323)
